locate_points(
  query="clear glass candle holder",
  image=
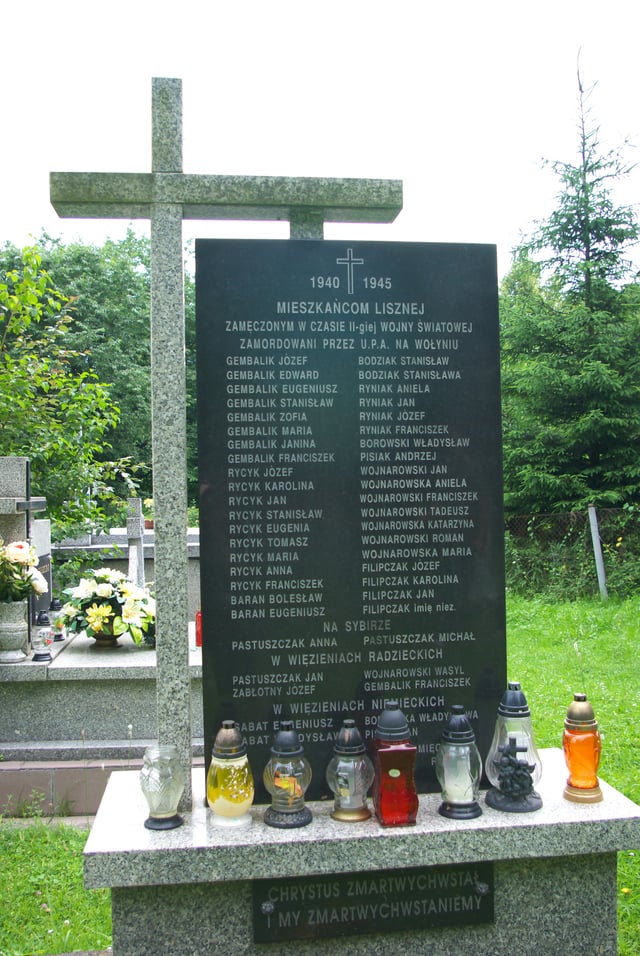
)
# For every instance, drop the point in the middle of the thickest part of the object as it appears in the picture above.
(459, 768)
(162, 781)
(350, 774)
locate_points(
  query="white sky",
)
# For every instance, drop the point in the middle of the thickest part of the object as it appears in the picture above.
(460, 100)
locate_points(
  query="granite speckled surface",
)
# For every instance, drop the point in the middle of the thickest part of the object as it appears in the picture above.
(98, 691)
(13, 486)
(540, 907)
(121, 852)
(189, 890)
(132, 195)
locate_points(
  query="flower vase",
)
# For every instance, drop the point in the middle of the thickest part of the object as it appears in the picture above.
(14, 630)
(106, 637)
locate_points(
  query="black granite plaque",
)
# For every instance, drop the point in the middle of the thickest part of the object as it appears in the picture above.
(350, 490)
(383, 902)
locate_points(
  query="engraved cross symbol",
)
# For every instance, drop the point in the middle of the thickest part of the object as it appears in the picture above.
(350, 262)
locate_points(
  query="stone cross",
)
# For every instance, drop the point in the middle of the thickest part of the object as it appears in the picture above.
(166, 196)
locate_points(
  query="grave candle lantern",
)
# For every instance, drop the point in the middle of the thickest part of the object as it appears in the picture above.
(582, 745)
(459, 768)
(394, 790)
(513, 764)
(55, 608)
(229, 779)
(287, 776)
(42, 638)
(162, 781)
(350, 774)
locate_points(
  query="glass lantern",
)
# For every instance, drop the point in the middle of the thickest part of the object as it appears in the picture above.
(395, 797)
(513, 764)
(59, 633)
(230, 787)
(287, 776)
(459, 768)
(350, 774)
(582, 746)
(42, 638)
(162, 781)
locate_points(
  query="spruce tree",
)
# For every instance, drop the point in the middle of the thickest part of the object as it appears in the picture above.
(570, 333)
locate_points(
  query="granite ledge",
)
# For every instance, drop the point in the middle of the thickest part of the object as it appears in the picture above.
(121, 852)
(30, 670)
(79, 659)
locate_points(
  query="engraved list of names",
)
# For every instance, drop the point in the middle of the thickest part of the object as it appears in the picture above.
(350, 489)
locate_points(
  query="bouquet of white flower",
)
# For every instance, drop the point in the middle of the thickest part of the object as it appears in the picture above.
(19, 575)
(106, 603)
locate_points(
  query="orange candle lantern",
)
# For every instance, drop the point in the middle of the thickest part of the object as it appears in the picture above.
(582, 746)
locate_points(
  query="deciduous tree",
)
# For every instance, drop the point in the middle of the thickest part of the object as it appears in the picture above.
(50, 411)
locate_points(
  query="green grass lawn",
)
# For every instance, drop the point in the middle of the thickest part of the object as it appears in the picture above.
(557, 649)
(45, 908)
(554, 650)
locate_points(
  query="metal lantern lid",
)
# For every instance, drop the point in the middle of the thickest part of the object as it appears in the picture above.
(392, 724)
(349, 742)
(286, 742)
(43, 619)
(580, 714)
(513, 703)
(458, 729)
(229, 742)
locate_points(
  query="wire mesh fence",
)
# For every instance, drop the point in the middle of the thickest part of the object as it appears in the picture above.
(554, 553)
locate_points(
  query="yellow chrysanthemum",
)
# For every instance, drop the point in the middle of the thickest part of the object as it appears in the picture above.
(97, 615)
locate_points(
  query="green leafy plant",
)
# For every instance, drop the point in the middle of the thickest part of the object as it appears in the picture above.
(53, 407)
(31, 807)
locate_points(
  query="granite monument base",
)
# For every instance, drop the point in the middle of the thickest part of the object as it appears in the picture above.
(192, 890)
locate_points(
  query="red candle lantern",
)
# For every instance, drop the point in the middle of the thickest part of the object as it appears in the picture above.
(394, 790)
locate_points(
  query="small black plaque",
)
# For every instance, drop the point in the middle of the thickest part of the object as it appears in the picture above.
(388, 901)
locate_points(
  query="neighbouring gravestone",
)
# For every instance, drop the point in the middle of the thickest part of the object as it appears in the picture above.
(16, 502)
(135, 541)
(40, 537)
(17, 507)
(351, 489)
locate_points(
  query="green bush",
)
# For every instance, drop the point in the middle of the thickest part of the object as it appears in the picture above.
(552, 555)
